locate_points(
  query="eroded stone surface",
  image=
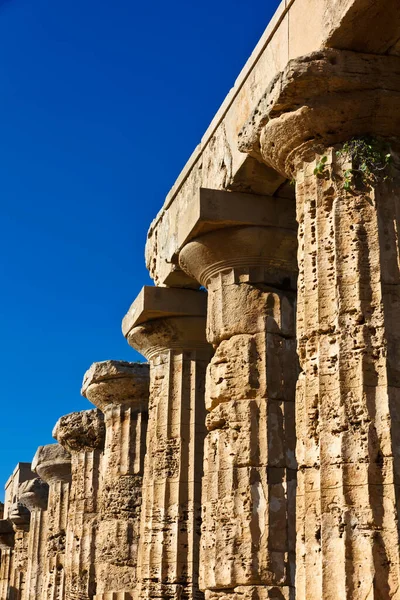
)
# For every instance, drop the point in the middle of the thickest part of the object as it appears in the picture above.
(347, 416)
(53, 464)
(248, 529)
(228, 224)
(82, 434)
(178, 352)
(121, 390)
(347, 325)
(34, 495)
(6, 556)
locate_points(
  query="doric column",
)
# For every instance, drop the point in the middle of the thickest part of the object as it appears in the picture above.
(34, 496)
(168, 327)
(6, 556)
(120, 390)
(82, 434)
(247, 542)
(331, 122)
(53, 465)
(20, 518)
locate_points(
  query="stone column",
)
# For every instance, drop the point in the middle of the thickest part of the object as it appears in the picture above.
(168, 327)
(82, 434)
(20, 518)
(34, 496)
(53, 465)
(247, 543)
(120, 390)
(6, 556)
(315, 119)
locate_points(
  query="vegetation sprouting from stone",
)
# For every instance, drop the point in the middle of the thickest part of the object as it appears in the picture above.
(370, 159)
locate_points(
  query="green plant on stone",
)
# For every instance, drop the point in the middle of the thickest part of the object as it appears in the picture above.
(320, 166)
(370, 158)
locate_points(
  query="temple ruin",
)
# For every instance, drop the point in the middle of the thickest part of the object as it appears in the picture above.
(256, 454)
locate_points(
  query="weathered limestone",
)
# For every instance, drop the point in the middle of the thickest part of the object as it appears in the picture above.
(168, 327)
(297, 28)
(33, 494)
(82, 434)
(247, 544)
(121, 390)
(6, 556)
(20, 518)
(21, 473)
(53, 465)
(130, 528)
(348, 315)
(15, 550)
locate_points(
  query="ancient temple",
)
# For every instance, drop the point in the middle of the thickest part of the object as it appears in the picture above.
(254, 453)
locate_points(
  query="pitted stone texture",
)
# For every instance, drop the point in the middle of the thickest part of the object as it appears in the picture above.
(297, 28)
(122, 595)
(257, 255)
(19, 515)
(171, 489)
(348, 394)
(114, 381)
(249, 483)
(175, 333)
(22, 472)
(120, 389)
(178, 352)
(52, 463)
(6, 559)
(323, 98)
(81, 431)
(254, 433)
(252, 593)
(34, 493)
(20, 518)
(18, 581)
(83, 434)
(35, 497)
(250, 366)
(6, 534)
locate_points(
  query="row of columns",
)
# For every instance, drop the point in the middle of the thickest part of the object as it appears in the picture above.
(124, 515)
(183, 481)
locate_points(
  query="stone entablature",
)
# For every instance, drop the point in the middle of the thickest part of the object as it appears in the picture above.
(298, 28)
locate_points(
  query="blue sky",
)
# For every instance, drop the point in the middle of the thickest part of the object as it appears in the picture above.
(101, 104)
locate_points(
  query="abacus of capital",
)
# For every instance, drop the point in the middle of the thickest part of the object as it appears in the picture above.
(256, 455)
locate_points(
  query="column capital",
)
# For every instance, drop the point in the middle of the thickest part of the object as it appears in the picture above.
(52, 463)
(33, 494)
(6, 534)
(114, 382)
(79, 431)
(320, 100)
(162, 319)
(19, 515)
(245, 254)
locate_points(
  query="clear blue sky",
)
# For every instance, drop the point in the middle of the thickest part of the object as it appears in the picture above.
(101, 104)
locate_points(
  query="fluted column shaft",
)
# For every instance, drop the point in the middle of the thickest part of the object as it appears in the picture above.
(348, 418)
(36, 553)
(82, 434)
(120, 390)
(5, 572)
(53, 465)
(331, 122)
(170, 527)
(20, 517)
(247, 543)
(6, 556)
